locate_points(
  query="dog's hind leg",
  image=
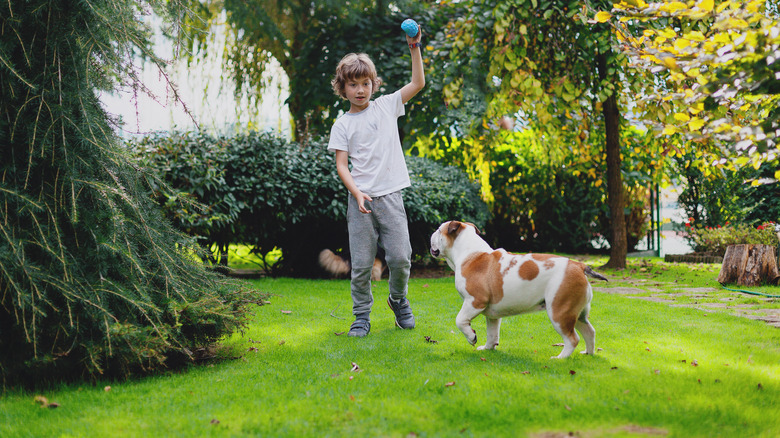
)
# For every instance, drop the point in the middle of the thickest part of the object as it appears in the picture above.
(463, 320)
(570, 341)
(493, 330)
(565, 327)
(588, 334)
(583, 325)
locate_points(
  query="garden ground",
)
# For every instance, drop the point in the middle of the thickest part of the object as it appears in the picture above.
(658, 371)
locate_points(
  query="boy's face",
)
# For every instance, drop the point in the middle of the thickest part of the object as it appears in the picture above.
(358, 93)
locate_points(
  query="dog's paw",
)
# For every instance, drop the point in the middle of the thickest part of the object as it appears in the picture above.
(486, 347)
(473, 341)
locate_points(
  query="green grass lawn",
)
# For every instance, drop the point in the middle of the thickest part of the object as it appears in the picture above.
(660, 370)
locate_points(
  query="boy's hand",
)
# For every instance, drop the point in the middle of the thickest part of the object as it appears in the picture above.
(414, 39)
(362, 198)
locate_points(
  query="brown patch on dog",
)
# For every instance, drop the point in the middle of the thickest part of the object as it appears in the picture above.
(528, 270)
(570, 298)
(549, 263)
(484, 282)
(453, 229)
(511, 265)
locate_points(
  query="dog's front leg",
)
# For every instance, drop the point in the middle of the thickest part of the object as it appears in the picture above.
(463, 321)
(493, 329)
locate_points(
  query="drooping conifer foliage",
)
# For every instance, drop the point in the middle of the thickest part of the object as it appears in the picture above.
(93, 281)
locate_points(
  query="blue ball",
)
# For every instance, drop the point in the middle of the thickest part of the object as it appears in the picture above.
(410, 27)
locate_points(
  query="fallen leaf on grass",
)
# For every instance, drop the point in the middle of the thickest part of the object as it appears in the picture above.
(560, 344)
(432, 341)
(339, 333)
(449, 384)
(614, 368)
(694, 363)
(572, 372)
(760, 387)
(281, 342)
(567, 407)
(526, 372)
(214, 421)
(287, 312)
(107, 388)
(253, 349)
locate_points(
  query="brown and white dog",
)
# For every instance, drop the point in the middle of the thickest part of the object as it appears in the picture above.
(497, 283)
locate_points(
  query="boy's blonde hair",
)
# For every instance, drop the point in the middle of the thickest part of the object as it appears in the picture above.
(354, 66)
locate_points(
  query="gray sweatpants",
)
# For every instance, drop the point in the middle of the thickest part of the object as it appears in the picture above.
(386, 226)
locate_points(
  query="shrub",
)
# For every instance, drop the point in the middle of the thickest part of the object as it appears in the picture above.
(267, 193)
(548, 200)
(715, 240)
(727, 195)
(439, 193)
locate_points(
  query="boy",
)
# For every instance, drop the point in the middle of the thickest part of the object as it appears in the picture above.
(368, 134)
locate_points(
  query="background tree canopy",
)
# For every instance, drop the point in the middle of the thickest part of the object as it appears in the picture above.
(711, 73)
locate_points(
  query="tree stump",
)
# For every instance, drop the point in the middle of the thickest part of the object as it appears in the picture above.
(749, 265)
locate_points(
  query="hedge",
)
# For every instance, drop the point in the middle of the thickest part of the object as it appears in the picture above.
(257, 189)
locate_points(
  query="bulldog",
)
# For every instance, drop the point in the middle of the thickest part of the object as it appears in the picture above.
(497, 283)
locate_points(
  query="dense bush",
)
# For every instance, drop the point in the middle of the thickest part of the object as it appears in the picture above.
(261, 191)
(715, 240)
(554, 201)
(726, 195)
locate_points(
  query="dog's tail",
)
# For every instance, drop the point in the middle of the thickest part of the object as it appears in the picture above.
(334, 264)
(591, 273)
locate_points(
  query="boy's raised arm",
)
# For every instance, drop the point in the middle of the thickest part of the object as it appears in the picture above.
(418, 74)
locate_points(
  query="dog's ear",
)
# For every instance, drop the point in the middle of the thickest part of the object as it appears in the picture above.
(453, 228)
(475, 227)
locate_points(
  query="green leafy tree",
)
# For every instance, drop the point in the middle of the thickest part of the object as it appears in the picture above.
(546, 62)
(93, 281)
(714, 75)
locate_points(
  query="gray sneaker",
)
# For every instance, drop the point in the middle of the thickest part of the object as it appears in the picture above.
(360, 328)
(403, 313)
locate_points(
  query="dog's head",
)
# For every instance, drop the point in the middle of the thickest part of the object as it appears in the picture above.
(443, 238)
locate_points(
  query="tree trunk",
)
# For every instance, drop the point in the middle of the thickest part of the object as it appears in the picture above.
(749, 265)
(618, 243)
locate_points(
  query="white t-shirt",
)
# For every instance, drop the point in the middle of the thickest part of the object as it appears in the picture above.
(371, 139)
